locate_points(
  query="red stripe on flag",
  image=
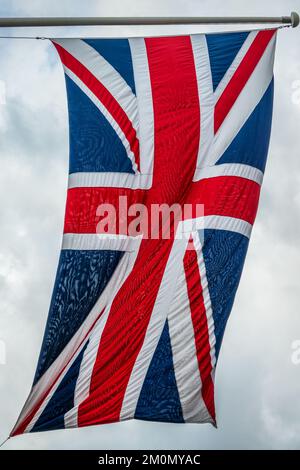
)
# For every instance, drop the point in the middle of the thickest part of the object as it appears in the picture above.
(83, 203)
(106, 98)
(241, 76)
(229, 196)
(176, 127)
(199, 319)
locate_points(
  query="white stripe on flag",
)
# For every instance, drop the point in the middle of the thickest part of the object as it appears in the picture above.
(206, 97)
(76, 344)
(220, 222)
(105, 113)
(234, 65)
(230, 169)
(82, 389)
(105, 241)
(109, 180)
(155, 328)
(144, 103)
(105, 73)
(184, 352)
(206, 300)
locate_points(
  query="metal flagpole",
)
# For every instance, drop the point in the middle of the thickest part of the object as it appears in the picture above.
(292, 20)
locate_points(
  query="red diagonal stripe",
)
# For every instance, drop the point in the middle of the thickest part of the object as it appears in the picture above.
(241, 76)
(106, 98)
(26, 421)
(199, 319)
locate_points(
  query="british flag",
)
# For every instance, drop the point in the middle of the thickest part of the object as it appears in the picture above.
(136, 323)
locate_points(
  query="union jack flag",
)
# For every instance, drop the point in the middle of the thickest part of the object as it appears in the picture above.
(136, 323)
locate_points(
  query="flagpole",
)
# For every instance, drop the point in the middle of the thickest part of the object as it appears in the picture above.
(292, 20)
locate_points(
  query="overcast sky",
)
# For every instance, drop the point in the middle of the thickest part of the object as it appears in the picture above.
(257, 384)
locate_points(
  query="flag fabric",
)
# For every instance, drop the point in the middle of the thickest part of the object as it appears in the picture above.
(136, 322)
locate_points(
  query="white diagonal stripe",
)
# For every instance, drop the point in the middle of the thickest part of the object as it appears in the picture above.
(154, 329)
(105, 113)
(144, 103)
(206, 97)
(105, 73)
(245, 103)
(76, 343)
(186, 368)
(82, 389)
(206, 300)
(233, 67)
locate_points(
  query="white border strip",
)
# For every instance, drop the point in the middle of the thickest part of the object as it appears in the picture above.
(219, 222)
(206, 300)
(230, 169)
(109, 180)
(144, 103)
(184, 353)
(206, 97)
(94, 241)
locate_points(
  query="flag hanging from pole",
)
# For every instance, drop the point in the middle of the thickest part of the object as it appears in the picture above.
(171, 126)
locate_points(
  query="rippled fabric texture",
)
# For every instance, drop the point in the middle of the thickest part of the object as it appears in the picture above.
(136, 323)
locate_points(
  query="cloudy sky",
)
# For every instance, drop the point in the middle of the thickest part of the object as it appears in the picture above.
(257, 383)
